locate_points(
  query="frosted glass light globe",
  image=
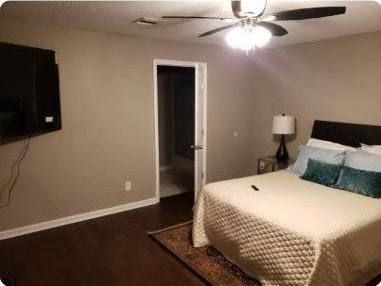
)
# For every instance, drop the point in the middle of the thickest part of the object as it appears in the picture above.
(261, 36)
(240, 38)
(247, 38)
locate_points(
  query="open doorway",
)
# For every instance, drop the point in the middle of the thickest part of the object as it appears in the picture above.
(180, 127)
(176, 102)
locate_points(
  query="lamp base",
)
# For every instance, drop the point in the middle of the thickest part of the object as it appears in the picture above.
(282, 154)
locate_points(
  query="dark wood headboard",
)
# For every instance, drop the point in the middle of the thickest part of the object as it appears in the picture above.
(347, 133)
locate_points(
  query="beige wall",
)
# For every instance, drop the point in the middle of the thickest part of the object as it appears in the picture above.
(108, 122)
(107, 112)
(337, 80)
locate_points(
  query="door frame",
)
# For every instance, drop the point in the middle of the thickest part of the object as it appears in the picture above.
(164, 62)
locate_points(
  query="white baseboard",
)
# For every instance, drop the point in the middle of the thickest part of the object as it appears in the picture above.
(74, 218)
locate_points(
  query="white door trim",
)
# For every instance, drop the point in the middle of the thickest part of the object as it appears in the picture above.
(164, 62)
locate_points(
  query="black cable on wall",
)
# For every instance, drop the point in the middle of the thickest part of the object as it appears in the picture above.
(14, 176)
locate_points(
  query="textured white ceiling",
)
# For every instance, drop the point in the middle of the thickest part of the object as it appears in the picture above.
(116, 17)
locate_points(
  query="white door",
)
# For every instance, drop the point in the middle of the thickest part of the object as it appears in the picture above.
(200, 124)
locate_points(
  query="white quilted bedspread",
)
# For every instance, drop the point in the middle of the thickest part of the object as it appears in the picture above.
(291, 232)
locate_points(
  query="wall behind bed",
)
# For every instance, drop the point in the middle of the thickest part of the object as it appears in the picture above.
(335, 80)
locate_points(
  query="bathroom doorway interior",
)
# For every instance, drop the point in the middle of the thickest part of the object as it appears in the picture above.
(176, 112)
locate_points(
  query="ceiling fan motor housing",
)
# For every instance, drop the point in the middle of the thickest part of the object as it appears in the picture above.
(248, 8)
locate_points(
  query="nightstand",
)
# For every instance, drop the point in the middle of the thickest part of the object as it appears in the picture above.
(270, 164)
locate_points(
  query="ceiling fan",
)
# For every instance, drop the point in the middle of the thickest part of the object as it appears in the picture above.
(252, 27)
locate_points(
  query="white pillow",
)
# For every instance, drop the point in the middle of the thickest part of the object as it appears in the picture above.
(374, 149)
(329, 145)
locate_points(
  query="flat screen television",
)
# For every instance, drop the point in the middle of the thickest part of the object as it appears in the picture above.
(29, 92)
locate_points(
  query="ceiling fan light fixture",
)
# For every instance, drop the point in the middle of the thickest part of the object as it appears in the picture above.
(261, 36)
(248, 38)
(239, 39)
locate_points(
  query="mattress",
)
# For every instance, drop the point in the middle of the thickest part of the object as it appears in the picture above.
(290, 232)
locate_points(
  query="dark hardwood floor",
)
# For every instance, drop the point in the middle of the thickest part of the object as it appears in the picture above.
(108, 251)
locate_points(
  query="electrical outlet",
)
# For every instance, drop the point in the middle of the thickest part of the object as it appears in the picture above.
(128, 186)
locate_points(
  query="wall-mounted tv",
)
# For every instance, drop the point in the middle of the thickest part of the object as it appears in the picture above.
(29, 92)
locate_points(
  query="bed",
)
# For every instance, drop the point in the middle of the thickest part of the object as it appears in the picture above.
(291, 231)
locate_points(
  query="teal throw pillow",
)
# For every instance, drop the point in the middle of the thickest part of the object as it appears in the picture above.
(322, 173)
(362, 182)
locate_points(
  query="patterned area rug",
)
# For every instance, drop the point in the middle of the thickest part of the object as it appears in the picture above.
(207, 262)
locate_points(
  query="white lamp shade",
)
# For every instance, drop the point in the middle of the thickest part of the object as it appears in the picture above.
(283, 124)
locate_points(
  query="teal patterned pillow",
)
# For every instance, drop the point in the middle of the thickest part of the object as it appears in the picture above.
(322, 173)
(362, 182)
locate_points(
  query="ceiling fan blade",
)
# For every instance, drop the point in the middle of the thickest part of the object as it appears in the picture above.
(309, 13)
(275, 29)
(218, 30)
(194, 17)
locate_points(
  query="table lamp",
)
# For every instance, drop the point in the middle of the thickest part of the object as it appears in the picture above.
(283, 125)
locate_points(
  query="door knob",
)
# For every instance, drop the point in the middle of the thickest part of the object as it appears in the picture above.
(196, 147)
